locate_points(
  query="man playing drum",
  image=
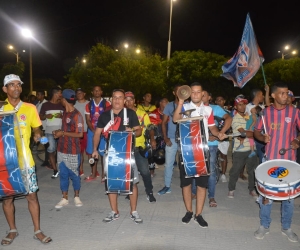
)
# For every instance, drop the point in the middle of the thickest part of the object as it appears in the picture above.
(281, 122)
(201, 181)
(104, 125)
(28, 119)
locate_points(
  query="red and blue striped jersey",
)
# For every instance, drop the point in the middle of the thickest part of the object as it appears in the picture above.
(281, 125)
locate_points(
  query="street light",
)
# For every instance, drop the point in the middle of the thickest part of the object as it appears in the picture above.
(11, 49)
(126, 45)
(84, 60)
(28, 34)
(138, 51)
(170, 28)
(287, 47)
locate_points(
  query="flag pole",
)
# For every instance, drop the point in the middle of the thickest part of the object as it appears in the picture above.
(263, 71)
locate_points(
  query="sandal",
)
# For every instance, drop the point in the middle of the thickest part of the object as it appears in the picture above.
(7, 241)
(45, 240)
(212, 203)
(89, 178)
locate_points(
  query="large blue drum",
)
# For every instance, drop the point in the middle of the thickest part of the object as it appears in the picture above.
(11, 183)
(118, 160)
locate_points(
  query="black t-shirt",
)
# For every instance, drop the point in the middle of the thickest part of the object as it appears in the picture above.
(105, 118)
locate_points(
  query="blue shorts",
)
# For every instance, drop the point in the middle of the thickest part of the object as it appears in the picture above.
(52, 143)
(30, 178)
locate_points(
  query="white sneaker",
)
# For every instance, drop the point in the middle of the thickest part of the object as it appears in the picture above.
(63, 202)
(77, 202)
(231, 194)
(223, 178)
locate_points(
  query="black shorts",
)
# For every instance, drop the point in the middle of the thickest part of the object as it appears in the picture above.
(201, 181)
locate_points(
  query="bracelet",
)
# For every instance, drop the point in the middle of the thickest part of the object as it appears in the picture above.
(63, 134)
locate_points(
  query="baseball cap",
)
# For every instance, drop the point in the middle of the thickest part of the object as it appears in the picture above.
(10, 78)
(129, 94)
(69, 94)
(240, 98)
(79, 89)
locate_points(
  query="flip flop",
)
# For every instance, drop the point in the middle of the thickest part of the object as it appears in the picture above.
(45, 240)
(9, 240)
(213, 203)
(90, 178)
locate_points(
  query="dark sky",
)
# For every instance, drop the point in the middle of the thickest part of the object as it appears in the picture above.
(68, 29)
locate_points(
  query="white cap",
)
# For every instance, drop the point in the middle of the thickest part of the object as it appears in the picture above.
(10, 78)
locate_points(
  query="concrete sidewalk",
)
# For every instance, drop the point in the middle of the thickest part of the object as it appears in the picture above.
(230, 226)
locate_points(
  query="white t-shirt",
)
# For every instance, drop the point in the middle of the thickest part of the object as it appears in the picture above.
(202, 110)
(251, 106)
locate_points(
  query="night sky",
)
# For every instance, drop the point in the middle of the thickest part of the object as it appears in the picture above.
(68, 29)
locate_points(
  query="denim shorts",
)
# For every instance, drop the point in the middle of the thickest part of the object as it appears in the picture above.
(52, 143)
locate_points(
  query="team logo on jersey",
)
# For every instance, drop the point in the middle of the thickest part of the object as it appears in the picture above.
(68, 120)
(79, 125)
(22, 117)
(101, 109)
(287, 119)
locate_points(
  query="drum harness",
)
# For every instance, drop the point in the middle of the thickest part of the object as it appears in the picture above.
(25, 158)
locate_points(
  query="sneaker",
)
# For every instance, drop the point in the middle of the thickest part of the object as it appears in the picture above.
(199, 219)
(55, 174)
(136, 218)
(81, 173)
(97, 174)
(63, 202)
(165, 190)
(290, 234)
(187, 218)
(151, 198)
(231, 194)
(251, 154)
(261, 232)
(223, 178)
(241, 146)
(254, 194)
(111, 217)
(77, 202)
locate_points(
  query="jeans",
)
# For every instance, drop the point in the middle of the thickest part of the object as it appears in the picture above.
(212, 166)
(65, 174)
(259, 146)
(142, 165)
(239, 159)
(287, 210)
(52, 143)
(170, 157)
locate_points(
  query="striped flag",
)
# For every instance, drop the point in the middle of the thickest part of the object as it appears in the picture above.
(246, 61)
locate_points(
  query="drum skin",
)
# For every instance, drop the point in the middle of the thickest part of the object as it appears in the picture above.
(194, 148)
(118, 160)
(278, 179)
(11, 183)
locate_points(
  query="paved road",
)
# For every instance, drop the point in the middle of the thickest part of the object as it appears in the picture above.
(231, 224)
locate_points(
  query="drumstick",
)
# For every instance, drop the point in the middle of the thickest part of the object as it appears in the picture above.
(263, 120)
(283, 150)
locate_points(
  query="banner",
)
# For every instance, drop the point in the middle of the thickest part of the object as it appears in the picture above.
(246, 61)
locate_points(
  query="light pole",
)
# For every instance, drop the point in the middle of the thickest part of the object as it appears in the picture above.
(11, 49)
(28, 34)
(287, 47)
(170, 29)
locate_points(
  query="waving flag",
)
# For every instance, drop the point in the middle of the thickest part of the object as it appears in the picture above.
(246, 61)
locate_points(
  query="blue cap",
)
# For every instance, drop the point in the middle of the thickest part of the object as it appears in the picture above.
(68, 94)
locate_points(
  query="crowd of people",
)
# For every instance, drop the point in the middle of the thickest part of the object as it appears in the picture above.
(75, 127)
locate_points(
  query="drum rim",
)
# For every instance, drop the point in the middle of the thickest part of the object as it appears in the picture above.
(282, 184)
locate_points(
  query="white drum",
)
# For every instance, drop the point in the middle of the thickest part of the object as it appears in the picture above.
(278, 179)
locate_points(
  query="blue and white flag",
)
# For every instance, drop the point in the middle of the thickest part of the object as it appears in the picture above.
(246, 61)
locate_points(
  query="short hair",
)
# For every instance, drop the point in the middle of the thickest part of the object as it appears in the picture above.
(176, 86)
(118, 90)
(196, 84)
(253, 93)
(54, 91)
(42, 92)
(277, 85)
(97, 86)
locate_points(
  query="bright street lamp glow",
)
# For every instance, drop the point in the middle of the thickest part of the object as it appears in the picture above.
(84, 60)
(27, 33)
(126, 45)
(294, 52)
(138, 51)
(287, 47)
(116, 50)
(10, 47)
